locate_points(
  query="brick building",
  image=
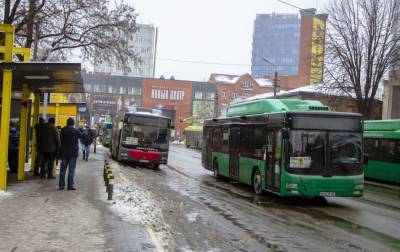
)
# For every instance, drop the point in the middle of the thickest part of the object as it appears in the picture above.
(174, 94)
(230, 88)
(107, 94)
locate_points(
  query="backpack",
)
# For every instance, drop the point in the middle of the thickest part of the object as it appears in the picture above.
(87, 138)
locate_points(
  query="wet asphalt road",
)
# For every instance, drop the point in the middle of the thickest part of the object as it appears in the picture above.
(197, 213)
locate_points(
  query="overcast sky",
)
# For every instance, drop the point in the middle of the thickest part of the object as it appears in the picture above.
(208, 31)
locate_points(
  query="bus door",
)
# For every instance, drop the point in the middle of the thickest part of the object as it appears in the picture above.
(206, 149)
(273, 159)
(270, 160)
(234, 150)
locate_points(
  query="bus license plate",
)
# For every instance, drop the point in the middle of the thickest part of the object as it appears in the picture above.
(143, 161)
(327, 194)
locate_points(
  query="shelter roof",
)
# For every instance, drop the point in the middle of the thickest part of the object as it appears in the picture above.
(46, 76)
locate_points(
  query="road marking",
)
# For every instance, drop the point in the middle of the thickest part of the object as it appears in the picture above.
(153, 237)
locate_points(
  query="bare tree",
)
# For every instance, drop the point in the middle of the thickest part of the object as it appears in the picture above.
(55, 28)
(361, 45)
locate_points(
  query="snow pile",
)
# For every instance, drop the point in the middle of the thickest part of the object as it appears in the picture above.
(136, 205)
(192, 217)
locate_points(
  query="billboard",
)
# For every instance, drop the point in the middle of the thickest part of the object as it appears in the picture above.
(317, 51)
(203, 109)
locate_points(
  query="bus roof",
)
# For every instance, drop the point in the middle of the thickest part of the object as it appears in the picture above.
(382, 125)
(264, 106)
(194, 128)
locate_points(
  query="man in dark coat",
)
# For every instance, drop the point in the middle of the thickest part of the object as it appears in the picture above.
(39, 154)
(49, 145)
(69, 153)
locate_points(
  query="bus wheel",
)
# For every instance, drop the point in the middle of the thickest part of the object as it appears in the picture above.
(215, 169)
(257, 182)
(156, 166)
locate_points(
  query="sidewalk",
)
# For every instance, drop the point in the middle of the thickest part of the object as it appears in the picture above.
(36, 216)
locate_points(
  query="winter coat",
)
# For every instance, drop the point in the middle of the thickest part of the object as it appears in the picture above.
(87, 137)
(70, 142)
(48, 138)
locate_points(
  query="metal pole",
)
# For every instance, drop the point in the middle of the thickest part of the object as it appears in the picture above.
(23, 132)
(275, 83)
(44, 112)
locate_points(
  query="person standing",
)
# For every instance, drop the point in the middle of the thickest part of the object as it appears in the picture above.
(69, 153)
(13, 143)
(39, 136)
(86, 141)
(50, 145)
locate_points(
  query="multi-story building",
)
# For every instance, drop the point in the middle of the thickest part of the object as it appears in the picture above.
(307, 38)
(144, 43)
(230, 88)
(276, 37)
(203, 101)
(108, 94)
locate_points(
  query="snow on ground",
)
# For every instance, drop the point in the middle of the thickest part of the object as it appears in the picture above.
(192, 217)
(137, 206)
(4, 194)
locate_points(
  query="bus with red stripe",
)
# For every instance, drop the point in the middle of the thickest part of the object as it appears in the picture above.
(141, 136)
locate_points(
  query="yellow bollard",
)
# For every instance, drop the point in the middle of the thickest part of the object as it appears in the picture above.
(5, 127)
(23, 133)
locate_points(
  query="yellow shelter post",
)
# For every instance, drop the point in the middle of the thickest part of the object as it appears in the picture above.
(5, 126)
(23, 132)
(6, 104)
(34, 122)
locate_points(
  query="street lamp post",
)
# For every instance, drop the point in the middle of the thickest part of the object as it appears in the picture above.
(275, 76)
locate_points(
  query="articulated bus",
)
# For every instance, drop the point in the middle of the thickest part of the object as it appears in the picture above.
(288, 147)
(382, 143)
(141, 136)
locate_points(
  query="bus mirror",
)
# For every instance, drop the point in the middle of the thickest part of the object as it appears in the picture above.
(172, 127)
(285, 133)
(366, 158)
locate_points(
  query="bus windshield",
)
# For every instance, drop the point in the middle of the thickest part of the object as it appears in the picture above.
(145, 135)
(309, 152)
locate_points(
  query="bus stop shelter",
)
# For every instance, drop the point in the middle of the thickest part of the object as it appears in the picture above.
(30, 79)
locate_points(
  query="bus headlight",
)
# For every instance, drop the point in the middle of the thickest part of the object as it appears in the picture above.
(359, 187)
(291, 185)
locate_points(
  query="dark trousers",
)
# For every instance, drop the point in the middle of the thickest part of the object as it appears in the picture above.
(47, 165)
(38, 163)
(13, 160)
(70, 163)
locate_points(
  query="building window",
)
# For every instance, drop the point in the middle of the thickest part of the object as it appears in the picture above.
(198, 95)
(130, 90)
(110, 89)
(224, 93)
(247, 84)
(122, 90)
(210, 96)
(137, 91)
(96, 88)
(103, 88)
(88, 87)
(234, 95)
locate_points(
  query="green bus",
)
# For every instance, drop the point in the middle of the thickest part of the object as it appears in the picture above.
(105, 134)
(288, 147)
(382, 143)
(194, 136)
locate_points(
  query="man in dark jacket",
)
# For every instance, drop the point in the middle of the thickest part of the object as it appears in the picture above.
(39, 154)
(86, 141)
(50, 145)
(69, 153)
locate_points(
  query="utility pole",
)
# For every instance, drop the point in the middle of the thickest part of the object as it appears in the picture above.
(275, 76)
(275, 83)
